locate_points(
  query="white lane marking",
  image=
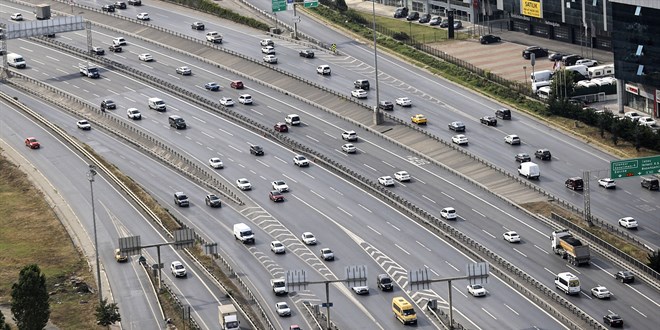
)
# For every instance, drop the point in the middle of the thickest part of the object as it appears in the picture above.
(452, 266)
(422, 245)
(374, 230)
(286, 176)
(198, 119)
(417, 179)
(489, 234)
(340, 209)
(511, 309)
(280, 159)
(369, 167)
(635, 309)
(317, 194)
(209, 135)
(52, 58)
(573, 268)
(226, 132)
(549, 271)
(393, 226)
(479, 213)
(442, 192)
(311, 138)
(540, 248)
(231, 146)
(491, 315)
(388, 164)
(402, 249)
(308, 175)
(522, 254)
(364, 208)
(432, 201)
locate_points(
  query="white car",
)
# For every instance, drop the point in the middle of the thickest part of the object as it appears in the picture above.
(628, 222)
(243, 184)
(326, 254)
(215, 162)
(459, 139)
(349, 136)
(448, 213)
(359, 93)
(308, 238)
(632, 115)
(386, 181)
(272, 59)
(586, 62)
(183, 70)
(84, 125)
(511, 236)
(16, 17)
(349, 148)
(280, 186)
(607, 183)
(277, 247)
(133, 113)
(404, 102)
(267, 42)
(476, 290)
(282, 309)
(601, 292)
(177, 269)
(245, 99)
(512, 139)
(268, 50)
(360, 290)
(323, 69)
(646, 121)
(143, 16)
(402, 176)
(300, 160)
(145, 57)
(227, 101)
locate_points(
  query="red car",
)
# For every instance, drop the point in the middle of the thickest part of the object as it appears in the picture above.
(237, 84)
(276, 196)
(32, 143)
(281, 127)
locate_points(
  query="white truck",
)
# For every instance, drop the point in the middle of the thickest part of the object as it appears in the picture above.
(243, 233)
(228, 317)
(42, 12)
(279, 286)
(16, 60)
(157, 104)
(89, 70)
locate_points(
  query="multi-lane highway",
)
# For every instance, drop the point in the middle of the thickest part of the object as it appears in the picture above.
(327, 200)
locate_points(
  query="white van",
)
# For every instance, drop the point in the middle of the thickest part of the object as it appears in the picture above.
(16, 61)
(568, 283)
(157, 104)
(544, 92)
(543, 75)
(292, 119)
(539, 84)
(601, 71)
(323, 69)
(529, 170)
(581, 69)
(243, 233)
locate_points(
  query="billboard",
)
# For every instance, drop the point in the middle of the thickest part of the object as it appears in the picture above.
(531, 8)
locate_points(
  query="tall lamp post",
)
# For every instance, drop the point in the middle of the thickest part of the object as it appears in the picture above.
(525, 76)
(90, 176)
(377, 115)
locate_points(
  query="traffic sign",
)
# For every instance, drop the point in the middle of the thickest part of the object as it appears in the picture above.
(279, 5)
(311, 3)
(635, 167)
(326, 305)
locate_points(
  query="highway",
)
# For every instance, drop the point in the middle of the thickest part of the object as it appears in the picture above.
(382, 168)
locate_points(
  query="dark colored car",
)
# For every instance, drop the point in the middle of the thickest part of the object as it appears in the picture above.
(489, 39)
(135, 2)
(181, 199)
(503, 113)
(650, 183)
(213, 201)
(97, 51)
(32, 143)
(523, 157)
(385, 105)
(306, 53)
(401, 12)
(256, 150)
(384, 282)
(413, 16)
(108, 105)
(276, 196)
(108, 8)
(198, 26)
(237, 84)
(281, 127)
(555, 56)
(575, 183)
(488, 120)
(613, 320)
(444, 23)
(543, 154)
(456, 126)
(536, 50)
(625, 276)
(424, 18)
(120, 5)
(114, 49)
(569, 60)
(435, 21)
(212, 86)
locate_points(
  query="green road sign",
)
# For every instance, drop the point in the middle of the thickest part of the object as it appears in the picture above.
(311, 3)
(279, 5)
(635, 167)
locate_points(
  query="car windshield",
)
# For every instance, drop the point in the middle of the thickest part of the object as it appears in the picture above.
(408, 312)
(278, 244)
(178, 267)
(476, 286)
(213, 197)
(182, 197)
(385, 280)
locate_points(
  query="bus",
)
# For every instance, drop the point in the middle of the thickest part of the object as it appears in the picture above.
(568, 283)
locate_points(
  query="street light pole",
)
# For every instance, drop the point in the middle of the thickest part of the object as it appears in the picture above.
(90, 176)
(377, 115)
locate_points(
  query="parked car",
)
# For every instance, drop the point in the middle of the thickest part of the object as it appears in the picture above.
(458, 25)
(413, 16)
(424, 18)
(435, 20)
(536, 50)
(555, 56)
(570, 59)
(489, 39)
(586, 62)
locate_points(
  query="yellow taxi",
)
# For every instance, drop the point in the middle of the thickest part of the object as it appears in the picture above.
(418, 119)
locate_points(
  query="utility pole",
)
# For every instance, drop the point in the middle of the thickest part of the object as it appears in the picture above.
(378, 116)
(90, 176)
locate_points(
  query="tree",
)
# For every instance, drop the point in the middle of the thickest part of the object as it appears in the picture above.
(3, 325)
(654, 260)
(341, 5)
(29, 299)
(107, 314)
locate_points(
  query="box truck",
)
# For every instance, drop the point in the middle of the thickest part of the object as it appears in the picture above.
(569, 247)
(228, 317)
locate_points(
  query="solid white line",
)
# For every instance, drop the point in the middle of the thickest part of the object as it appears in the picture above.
(489, 234)
(402, 249)
(452, 198)
(513, 310)
(491, 315)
